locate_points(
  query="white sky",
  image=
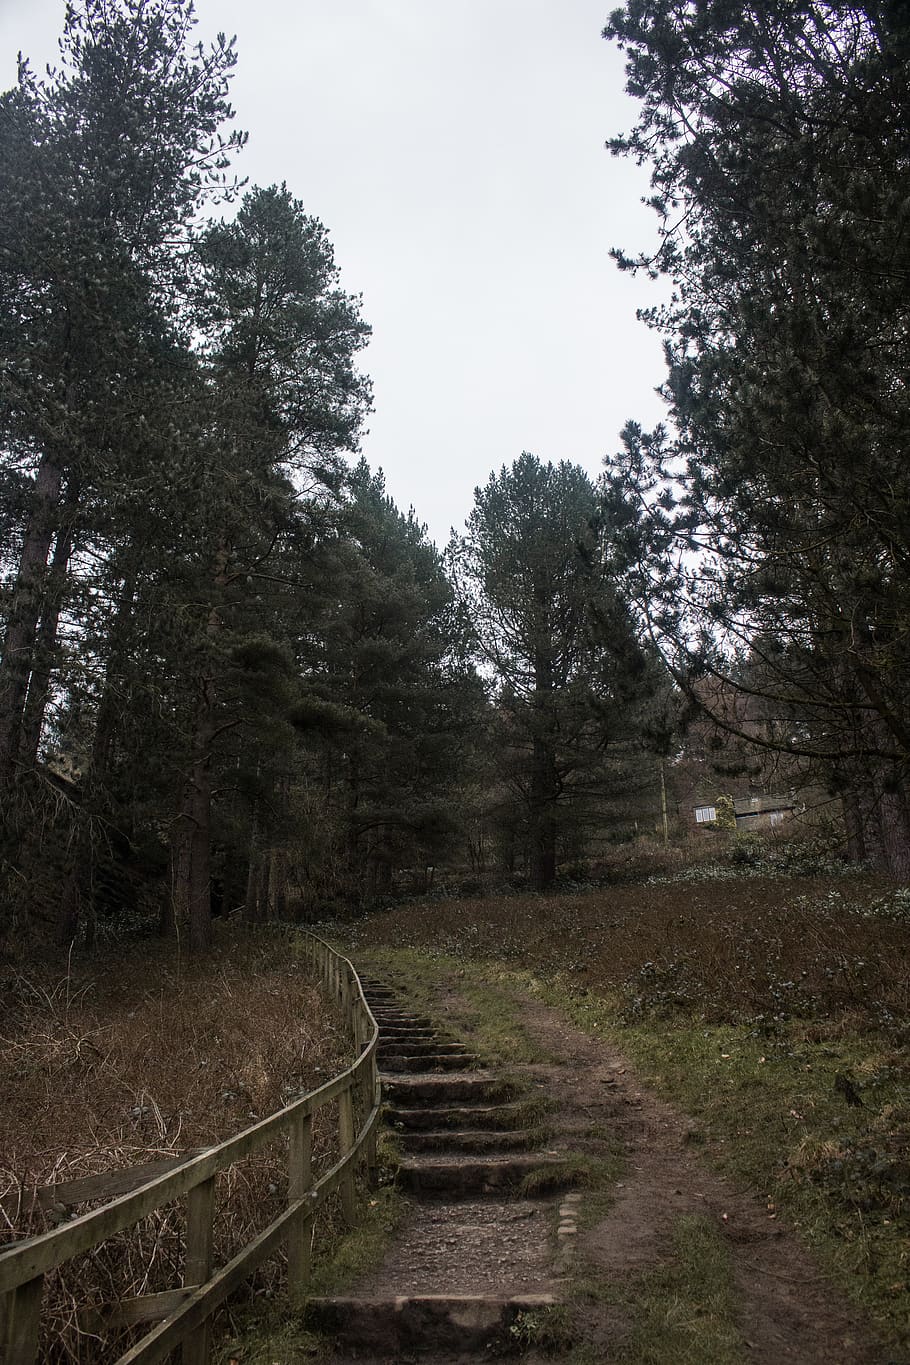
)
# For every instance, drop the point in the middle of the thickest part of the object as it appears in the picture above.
(455, 153)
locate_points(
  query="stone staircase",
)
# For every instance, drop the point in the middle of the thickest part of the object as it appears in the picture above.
(477, 1264)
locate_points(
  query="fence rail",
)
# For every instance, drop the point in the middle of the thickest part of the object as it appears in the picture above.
(183, 1314)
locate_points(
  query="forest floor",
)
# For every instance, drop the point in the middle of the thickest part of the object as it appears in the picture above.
(729, 1052)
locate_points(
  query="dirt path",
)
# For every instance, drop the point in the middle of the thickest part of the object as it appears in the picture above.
(788, 1312)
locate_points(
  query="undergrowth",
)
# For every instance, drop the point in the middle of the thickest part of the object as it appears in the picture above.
(267, 1332)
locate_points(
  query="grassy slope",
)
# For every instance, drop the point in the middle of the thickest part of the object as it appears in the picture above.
(761, 1006)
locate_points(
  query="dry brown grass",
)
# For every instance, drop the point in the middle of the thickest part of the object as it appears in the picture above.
(140, 1055)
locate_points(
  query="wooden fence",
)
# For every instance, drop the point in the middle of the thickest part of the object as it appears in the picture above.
(183, 1315)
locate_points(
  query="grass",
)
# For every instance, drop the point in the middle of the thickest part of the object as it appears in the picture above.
(596, 1174)
(268, 1333)
(759, 1004)
(545, 1331)
(137, 1054)
(768, 1112)
(684, 1310)
(837, 1173)
(268, 1337)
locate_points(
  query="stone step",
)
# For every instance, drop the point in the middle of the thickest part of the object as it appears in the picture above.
(469, 1139)
(460, 1175)
(408, 1092)
(479, 1116)
(422, 1047)
(401, 1032)
(434, 1324)
(424, 1062)
(387, 1019)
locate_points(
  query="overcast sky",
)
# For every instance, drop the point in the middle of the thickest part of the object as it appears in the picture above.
(455, 153)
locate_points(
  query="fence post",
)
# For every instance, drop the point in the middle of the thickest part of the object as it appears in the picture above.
(367, 1098)
(375, 1092)
(200, 1215)
(345, 1143)
(300, 1234)
(20, 1322)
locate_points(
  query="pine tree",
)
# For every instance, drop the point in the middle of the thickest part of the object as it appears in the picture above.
(102, 167)
(285, 401)
(391, 688)
(778, 141)
(533, 574)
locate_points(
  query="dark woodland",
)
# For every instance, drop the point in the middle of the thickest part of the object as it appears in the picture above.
(237, 679)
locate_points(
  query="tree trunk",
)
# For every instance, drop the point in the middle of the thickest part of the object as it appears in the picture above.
(278, 856)
(895, 829)
(355, 871)
(45, 654)
(191, 846)
(853, 824)
(543, 795)
(664, 821)
(265, 908)
(544, 784)
(200, 888)
(109, 706)
(278, 883)
(175, 911)
(191, 871)
(25, 610)
(251, 900)
(869, 805)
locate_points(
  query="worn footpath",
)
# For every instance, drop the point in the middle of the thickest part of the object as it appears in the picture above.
(504, 1231)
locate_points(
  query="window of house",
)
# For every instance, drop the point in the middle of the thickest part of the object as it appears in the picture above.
(705, 815)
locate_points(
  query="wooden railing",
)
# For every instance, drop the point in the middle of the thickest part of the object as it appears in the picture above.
(183, 1314)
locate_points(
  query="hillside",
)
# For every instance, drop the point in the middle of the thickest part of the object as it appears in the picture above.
(768, 1010)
